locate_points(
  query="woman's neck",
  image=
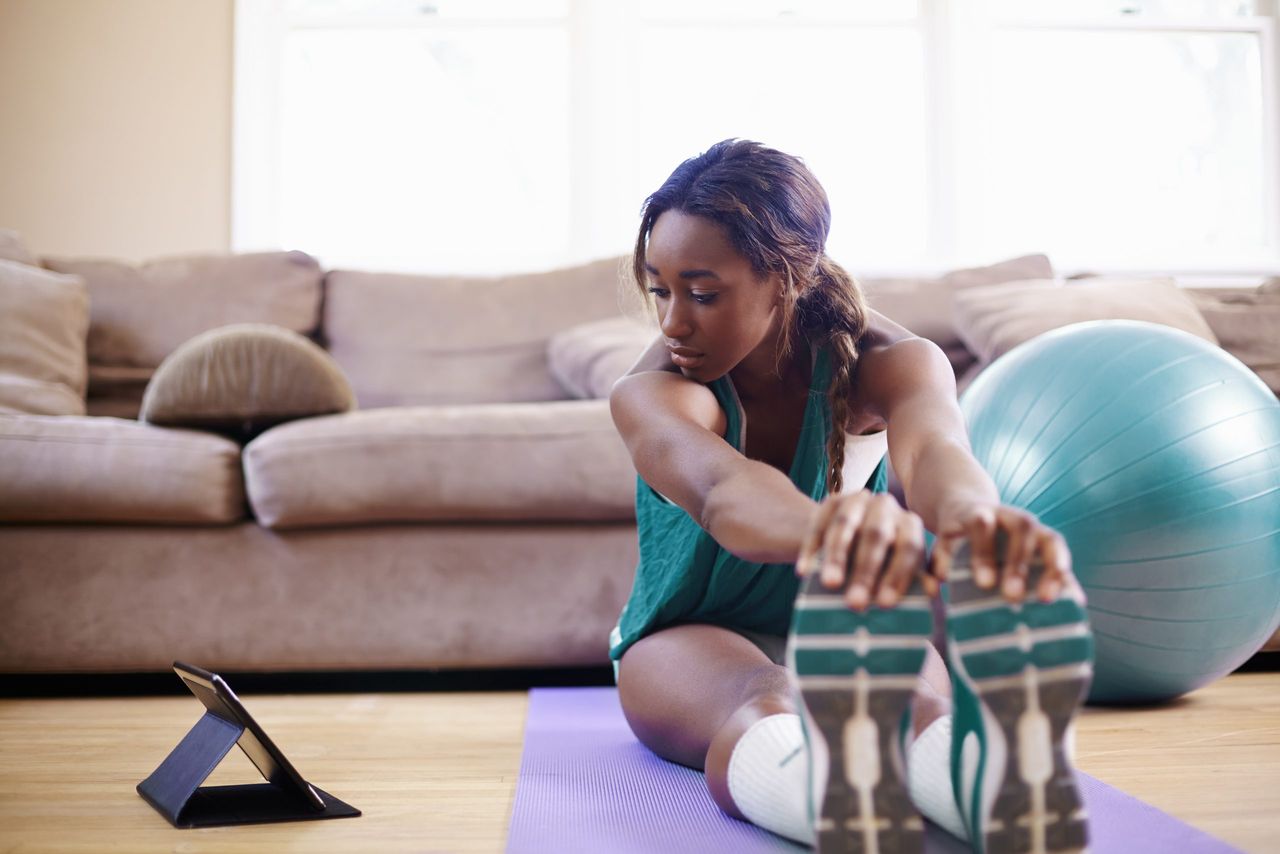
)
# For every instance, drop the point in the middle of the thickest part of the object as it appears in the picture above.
(756, 377)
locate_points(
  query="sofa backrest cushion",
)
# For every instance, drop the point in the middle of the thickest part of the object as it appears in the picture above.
(994, 320)
(141, 313)
(416, 339)
(926, 305)
(1247, 323)
(44, 318)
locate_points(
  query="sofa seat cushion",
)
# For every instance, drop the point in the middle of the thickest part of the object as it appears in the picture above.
(413, 340)
(534, 461)
(85, 469)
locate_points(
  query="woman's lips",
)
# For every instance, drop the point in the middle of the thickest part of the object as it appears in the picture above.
(685, 357)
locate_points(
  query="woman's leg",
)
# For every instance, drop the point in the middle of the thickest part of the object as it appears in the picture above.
(689, 693)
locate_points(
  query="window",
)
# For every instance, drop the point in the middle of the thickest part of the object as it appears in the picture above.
(491, 135)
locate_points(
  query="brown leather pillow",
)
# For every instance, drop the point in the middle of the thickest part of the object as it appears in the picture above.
(244, 378)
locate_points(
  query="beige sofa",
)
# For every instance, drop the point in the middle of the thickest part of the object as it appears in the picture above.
(475, 511)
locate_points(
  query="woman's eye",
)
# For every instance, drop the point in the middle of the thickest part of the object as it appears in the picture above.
(660, 293)
(704, 299)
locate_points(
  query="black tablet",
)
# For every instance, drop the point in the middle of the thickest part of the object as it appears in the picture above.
(217, 696)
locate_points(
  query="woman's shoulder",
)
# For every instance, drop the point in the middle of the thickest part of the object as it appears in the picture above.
(892, 361)
(643, 400)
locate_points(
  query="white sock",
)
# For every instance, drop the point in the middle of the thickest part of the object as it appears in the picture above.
(929, 777)
(768, 772)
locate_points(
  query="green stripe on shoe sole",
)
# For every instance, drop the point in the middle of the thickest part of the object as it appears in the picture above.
(1007, 662)
(844, 662)
(878, 621)
(1005, 619)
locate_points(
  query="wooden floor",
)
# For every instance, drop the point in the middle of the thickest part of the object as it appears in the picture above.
(437, 772)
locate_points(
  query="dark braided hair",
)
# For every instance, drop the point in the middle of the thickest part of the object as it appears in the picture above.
(776, 216)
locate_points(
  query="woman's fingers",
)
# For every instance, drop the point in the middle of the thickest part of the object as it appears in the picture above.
(907, 560)
(1058, 576)
(981, 531)
(809, 560)
(875, 536)
(849, 518)
(1021, 550)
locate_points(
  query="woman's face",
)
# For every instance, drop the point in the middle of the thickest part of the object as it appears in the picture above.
(709, 300)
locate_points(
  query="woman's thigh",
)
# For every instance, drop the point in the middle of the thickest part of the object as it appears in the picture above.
(679, 685)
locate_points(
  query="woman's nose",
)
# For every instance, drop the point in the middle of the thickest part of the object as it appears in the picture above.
(675, 324)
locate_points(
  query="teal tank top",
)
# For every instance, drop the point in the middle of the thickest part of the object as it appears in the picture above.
(684, 576)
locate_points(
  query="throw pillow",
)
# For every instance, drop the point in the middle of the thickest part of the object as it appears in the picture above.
(241, 379)
(44, 320)
(924, 305)
(588, 359)
(994, 320)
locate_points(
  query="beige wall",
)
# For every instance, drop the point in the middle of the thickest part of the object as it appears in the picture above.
(115, 125)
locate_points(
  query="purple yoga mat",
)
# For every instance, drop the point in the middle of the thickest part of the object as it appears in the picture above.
(586, 785)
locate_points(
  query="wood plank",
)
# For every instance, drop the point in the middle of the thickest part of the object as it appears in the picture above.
(437, 771)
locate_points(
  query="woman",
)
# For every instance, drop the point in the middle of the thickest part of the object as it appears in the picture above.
(735, 419)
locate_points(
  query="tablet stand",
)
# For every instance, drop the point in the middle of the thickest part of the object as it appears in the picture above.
(174, 787)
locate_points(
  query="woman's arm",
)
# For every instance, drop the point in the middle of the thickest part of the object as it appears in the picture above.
(673, 428)
(911, 385)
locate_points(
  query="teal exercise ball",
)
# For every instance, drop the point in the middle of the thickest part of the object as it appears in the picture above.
(1157, 456)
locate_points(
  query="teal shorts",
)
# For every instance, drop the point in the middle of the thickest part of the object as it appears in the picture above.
(773, 646)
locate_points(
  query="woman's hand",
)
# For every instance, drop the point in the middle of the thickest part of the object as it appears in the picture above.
(857, 530)
(1027, 539)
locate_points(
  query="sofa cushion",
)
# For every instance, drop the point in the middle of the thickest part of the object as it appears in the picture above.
(1247, 324)
(243, 378)
(994, 320)
(83, 469)
(140, 314)
(43, 320)
(12, 248)
(925, 305)
(588, 359)
(533, 461)
(409, 339)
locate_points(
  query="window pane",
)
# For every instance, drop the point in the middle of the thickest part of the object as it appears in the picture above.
(410, 9)
(425, 150)
(1176, 9)
(875, 10)
(848, 102)
(1151, 148)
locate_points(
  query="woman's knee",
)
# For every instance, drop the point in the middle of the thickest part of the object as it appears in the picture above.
(677, 691)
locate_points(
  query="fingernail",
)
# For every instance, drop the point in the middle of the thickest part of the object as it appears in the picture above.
(888, 596)
(1052, 589)
(830, 576)
(1013, 586)
(984, 575)
(858, 596)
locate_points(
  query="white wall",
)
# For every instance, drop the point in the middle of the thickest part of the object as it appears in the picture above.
(115, 125)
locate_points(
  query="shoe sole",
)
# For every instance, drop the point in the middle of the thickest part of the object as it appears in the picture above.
(856, 674)
(1029, 666)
